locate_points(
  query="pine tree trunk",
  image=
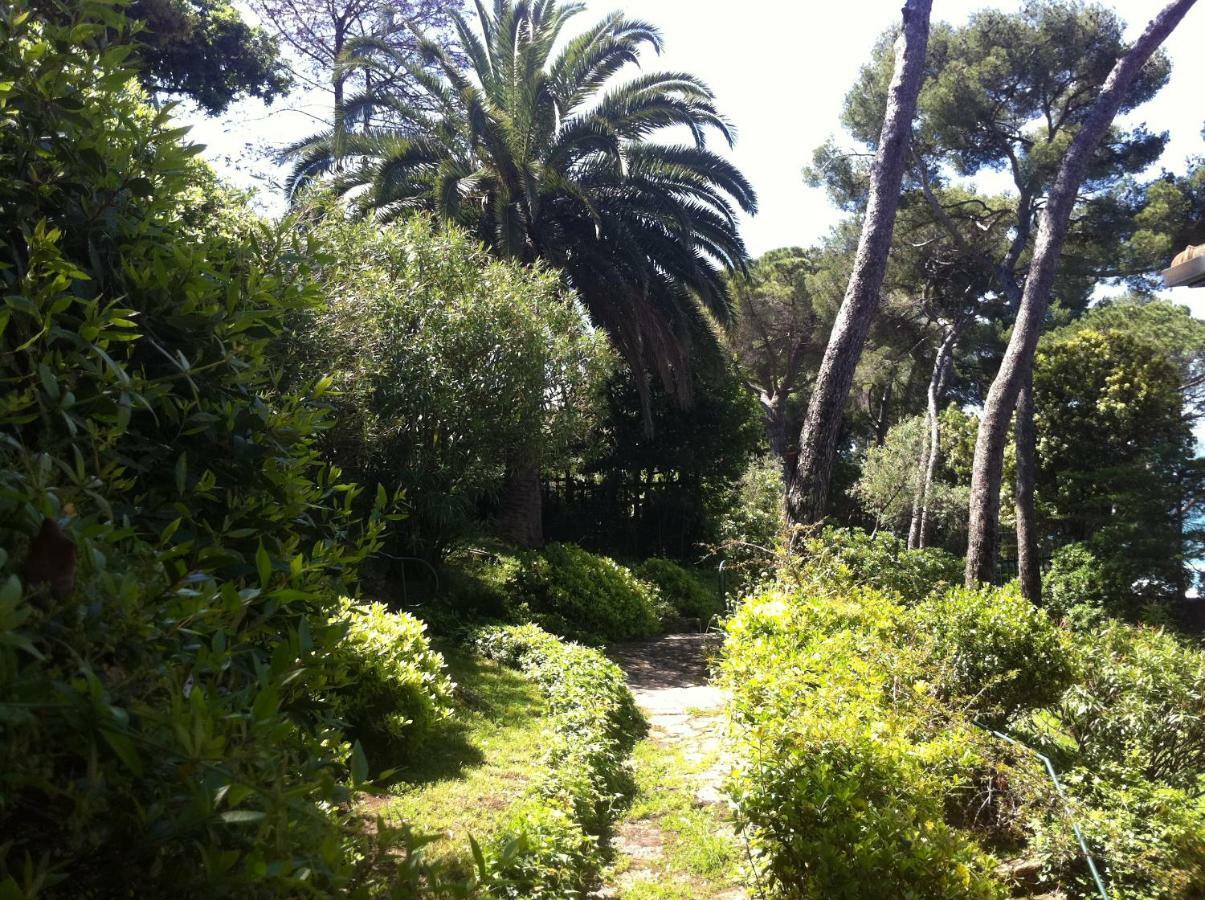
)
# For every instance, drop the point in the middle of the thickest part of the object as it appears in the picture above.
(918, 531)
(520, 518)
(807, 493)
(1028, 568)
(984, 518)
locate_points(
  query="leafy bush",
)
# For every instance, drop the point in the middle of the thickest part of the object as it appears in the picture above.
(551, 849)
(995, 648)
(1140, 705)
(860, 759)
(170, 540)
(1078, 589)
(688, 594)
(582, 596)
(851, 557)
(839, 782)
(398, 687)
(751, 529)
(449, 365)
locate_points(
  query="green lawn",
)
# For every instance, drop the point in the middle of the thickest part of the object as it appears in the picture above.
(465, 777)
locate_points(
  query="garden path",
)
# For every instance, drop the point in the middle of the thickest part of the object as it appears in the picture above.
(676, 839)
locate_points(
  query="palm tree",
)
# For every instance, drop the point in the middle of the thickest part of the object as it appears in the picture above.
(540, 154)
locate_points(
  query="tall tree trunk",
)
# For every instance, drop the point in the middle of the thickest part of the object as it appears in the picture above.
(1028, 568)
(775, 414)
(918, 530)
(520, 518)
(807, 494)
(984, 519)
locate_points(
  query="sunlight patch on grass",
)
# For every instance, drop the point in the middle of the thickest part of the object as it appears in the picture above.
(700, 857)
(466, 777)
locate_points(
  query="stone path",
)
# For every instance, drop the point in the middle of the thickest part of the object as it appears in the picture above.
(669, 678)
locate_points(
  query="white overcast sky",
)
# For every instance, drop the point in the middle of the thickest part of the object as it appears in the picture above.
(780, 70)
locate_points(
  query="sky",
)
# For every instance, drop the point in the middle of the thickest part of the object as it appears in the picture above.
(780, 71)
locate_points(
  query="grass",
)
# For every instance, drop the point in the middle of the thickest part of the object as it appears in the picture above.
(465, 777)
(699, 856)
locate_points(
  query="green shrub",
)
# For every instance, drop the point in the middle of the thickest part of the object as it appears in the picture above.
(448, 363)
(752, 527)
(170, 540)
(1077, 589)
(839, 783)
(996, 649)
(850, 557)
(582, 596)
(1140, 705)
(398, 687)
(552, 849)
(1145, 837)
(686, 592)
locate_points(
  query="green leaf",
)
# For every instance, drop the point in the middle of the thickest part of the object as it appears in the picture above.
(359, 765)
(263, 564)
(241, 816)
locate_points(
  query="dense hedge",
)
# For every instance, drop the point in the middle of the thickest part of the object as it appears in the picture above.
(396, 687)
(685, 591)
(171, 545)
(864, 726)
(849, 557)
(582, 596)
(551, 848)
(839, 783)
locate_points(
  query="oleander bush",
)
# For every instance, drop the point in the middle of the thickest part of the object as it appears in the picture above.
(687, 592)
(888, 741)
(582, 596)
(851, 556)
(994, 649)
(397, 687)
(551, 849)
(449, 366)
(839, 782)
(1140, 705)
(171, 544)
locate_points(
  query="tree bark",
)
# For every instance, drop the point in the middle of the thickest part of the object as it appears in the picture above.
(807, 494)
(1028, 567)
(520, 518)
(918, 530)
(984, 518)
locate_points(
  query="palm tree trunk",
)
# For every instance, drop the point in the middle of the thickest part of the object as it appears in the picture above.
(984, 519)
(918, 530)
(1028, 567)
(807, 494)
(520, 518)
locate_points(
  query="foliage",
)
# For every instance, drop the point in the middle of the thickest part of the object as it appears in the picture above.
(397, 686)
(1114, 452)
(447, 363)
(661, 493)
(552, 849)
(205, 51)
(994, 648)
(891, 474)
(1140, 705)
(169, 538)
(852, 557)
(860, 753)
(1077, 589)
(839, 784)
(751, 530)
(525, 150)
(582, 596)
(686, 591)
